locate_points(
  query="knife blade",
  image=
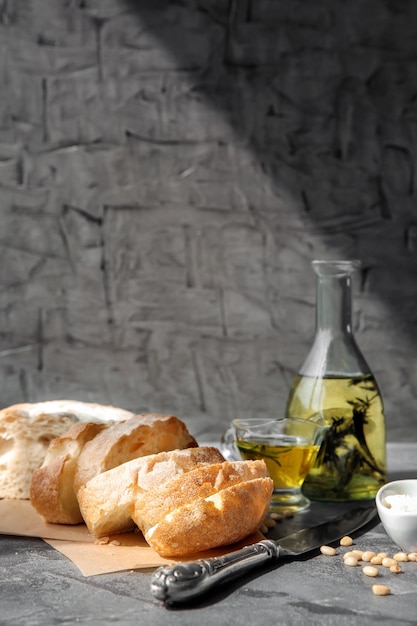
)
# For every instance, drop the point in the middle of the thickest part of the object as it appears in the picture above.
(183, 582)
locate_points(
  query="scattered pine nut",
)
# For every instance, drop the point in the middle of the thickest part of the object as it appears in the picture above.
(269, 522)
(277, 517)
(288, 513)
(263, 529)
(351, 558)
(351, 561)
(370, 570)
(376, 560)
(346, 541)
(381, 590)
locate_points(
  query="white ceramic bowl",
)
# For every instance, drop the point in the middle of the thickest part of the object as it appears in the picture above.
(399, 524)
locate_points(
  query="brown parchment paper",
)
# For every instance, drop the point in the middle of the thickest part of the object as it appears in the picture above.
(126, 551)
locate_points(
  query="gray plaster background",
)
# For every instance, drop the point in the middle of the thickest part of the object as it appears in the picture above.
(168, 170)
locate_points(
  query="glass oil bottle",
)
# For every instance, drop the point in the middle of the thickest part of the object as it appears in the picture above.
(336, 383)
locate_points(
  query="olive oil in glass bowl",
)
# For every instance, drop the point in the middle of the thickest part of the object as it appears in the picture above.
(287, 446)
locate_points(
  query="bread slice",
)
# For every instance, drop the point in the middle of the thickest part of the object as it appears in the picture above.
(138, 436)
(105, 501)
(151, 506)
(24, 441)
(221, 519)
(52, 488)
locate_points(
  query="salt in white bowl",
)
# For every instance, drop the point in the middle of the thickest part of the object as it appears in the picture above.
(396, 503)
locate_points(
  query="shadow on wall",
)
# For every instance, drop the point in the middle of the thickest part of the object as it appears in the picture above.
(324, 96)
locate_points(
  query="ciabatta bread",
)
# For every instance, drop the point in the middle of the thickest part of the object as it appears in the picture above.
(106, 500)
(139, 436)
(26, 431)
(52, 492)
(221, 519)
(151, 506)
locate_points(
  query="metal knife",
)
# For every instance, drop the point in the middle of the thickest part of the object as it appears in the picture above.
(183, 582)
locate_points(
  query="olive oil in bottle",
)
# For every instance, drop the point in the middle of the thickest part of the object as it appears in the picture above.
(351, 462)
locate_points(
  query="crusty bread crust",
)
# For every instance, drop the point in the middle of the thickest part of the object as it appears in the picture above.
(106, 500)
(52, 487)
(151, 506)
(82, 411)
(221, 519)
(139, 436)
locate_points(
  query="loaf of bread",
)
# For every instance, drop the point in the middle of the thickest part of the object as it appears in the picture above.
(26, 431)
(139, 436)
(106, 500)
(223, 518)
(52, 491)
(114, 470)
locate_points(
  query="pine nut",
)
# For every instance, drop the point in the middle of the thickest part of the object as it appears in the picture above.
(370, 570)
(269, 522)
(387, 562)
(348, 555)
(401, 556)
(376, 560)
(328, 550)
(382, 554)
(357, 554)
(277, 517)
(264, 529)
(381, 590)
(346, 541)
(395, 569)
(351, 561)
(412, 556)
(288, 513)
(368, 555)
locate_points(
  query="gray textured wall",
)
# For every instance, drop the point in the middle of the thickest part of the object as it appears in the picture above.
(168, 170)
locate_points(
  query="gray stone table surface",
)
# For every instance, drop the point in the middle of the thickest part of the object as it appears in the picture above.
(39, 586)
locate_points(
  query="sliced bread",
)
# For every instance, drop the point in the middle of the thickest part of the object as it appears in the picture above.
(106, 500)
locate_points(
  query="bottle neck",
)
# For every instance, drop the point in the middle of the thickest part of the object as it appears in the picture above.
(334, 351)
(334, 305)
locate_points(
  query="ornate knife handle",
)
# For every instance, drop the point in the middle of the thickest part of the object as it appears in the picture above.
(185, 581)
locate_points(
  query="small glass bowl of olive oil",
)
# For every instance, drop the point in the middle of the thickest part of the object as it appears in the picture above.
(288, 446)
